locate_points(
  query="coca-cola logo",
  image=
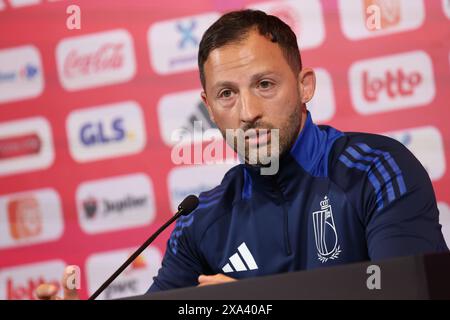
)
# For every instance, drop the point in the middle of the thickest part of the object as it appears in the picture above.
(108, 57)
(395, 84)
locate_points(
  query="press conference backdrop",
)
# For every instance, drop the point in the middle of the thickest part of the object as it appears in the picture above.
(87, 116)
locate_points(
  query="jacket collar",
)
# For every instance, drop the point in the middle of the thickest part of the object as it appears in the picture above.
(307, 157)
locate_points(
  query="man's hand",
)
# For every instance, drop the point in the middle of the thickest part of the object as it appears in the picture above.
(48, 291)
(215, 279)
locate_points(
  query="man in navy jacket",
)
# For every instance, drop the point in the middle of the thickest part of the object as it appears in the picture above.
(336, 198)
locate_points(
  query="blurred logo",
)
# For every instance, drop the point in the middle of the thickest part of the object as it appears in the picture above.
(20, 282)
(395, 83)
(90, 207)
(371, 18)
(25, 218)
(187, 36)
(183, 181)
(93, 133)
(138, 264)
(181, 111)
(27, 72)
(392, 82)
(23, 3)
(32, 217)
(20, 73)
(427, 145)
(109, 206)
(135, 280)
(173, 44)
(106, 131)
(108, 57)
(446, 6)
(18, 146)
(95, 60)
(444, 220)
(303, 16)
(115, 203)
(25, 145)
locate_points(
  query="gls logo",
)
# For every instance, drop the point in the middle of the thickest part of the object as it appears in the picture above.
(95, 132)
(392, 82)
(106, 131)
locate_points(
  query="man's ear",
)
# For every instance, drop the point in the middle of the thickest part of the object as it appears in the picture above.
(208, 107)
(307, 84)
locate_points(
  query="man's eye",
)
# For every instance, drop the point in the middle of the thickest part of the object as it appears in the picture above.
(225, 94)
(265, 84)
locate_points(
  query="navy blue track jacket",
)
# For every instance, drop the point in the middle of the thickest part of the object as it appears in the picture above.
(337, 198)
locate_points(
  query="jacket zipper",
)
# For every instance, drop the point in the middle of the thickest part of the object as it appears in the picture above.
(287, 244)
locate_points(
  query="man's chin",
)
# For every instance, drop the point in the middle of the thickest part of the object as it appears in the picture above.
(260, 156)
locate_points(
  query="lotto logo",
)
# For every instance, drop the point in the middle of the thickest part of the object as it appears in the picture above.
(392, 82)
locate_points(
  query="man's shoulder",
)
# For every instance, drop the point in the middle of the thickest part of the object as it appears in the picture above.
(359, 157)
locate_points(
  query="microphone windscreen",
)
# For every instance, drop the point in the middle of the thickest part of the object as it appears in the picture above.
(188, 204)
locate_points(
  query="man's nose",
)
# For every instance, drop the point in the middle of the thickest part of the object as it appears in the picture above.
(250, 108)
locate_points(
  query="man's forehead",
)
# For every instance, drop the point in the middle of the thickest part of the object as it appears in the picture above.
(245, 56)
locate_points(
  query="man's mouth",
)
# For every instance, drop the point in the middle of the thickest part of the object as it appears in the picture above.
(257, 138)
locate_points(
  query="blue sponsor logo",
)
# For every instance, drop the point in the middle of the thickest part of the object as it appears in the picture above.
(27, 72)
(94, 133)
(187, 44)
(187, 34)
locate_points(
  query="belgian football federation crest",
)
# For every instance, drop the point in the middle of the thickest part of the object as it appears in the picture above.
(325, 232)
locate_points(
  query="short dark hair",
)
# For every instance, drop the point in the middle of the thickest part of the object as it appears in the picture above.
(235, 26)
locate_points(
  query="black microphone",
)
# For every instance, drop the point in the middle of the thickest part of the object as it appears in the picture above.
(186, 207)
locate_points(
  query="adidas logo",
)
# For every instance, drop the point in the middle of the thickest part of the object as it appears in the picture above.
(236, 263)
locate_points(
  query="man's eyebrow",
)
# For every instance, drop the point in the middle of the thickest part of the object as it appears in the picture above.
(222, 84)
(260, 75)
(254, 78)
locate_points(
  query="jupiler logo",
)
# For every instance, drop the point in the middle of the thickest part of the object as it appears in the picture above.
(325, 232)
